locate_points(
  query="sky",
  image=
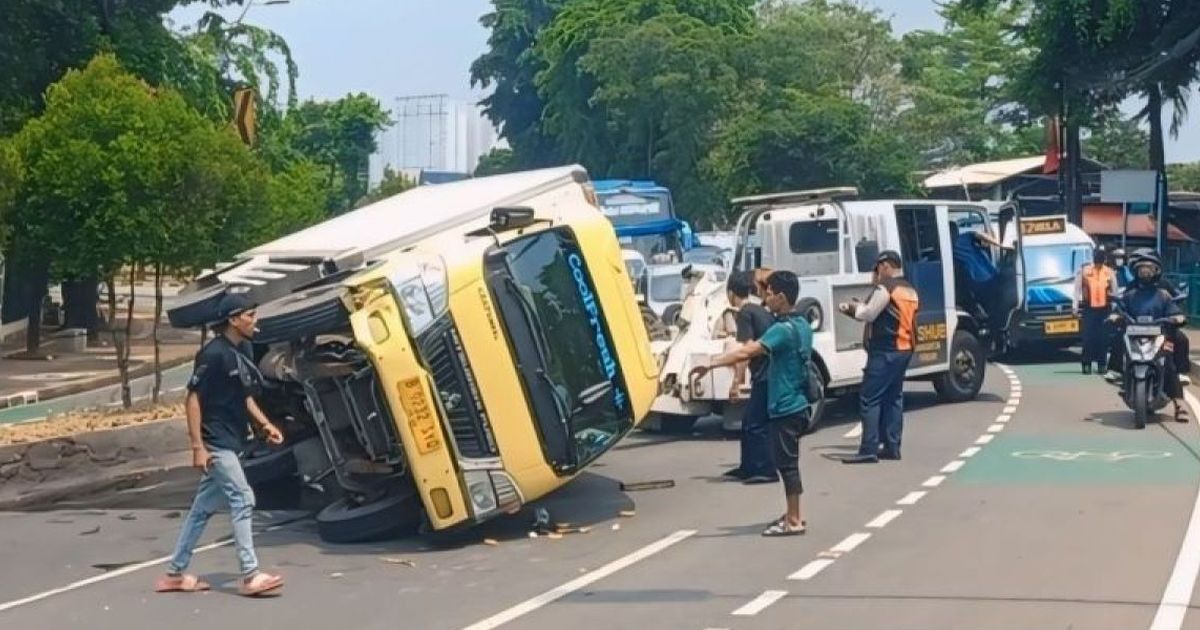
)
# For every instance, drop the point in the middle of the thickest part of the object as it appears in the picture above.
(391, 48)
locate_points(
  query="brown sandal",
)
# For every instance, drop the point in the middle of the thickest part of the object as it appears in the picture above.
(184, 583)
(260, 584)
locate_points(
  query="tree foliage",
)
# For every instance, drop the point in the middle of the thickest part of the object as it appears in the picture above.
(392, 184)
(496, 162)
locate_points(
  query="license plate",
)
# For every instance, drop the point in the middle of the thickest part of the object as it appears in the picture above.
(420, 414)
(1062, 327)
(1143, 331)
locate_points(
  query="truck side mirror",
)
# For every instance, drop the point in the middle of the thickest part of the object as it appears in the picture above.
(865, 254)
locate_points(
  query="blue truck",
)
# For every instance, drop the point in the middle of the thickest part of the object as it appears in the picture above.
(643, 215)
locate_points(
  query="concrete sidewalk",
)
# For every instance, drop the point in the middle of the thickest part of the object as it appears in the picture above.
(25, 381)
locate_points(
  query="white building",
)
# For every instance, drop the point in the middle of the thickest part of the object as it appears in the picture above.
(433, 133)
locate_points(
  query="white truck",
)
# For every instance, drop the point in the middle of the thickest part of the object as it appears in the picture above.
(831, 242)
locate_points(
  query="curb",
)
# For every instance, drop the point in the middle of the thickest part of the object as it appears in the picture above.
(37, 473)
(46, 394)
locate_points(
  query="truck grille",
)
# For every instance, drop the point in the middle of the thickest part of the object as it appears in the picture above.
(457, 393)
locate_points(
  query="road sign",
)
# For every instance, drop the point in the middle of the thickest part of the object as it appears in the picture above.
(244, 114)
(1128, 186)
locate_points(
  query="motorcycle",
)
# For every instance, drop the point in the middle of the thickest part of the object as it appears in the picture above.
(1147, 349)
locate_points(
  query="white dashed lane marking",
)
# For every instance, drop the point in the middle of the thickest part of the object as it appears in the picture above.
(758, 604)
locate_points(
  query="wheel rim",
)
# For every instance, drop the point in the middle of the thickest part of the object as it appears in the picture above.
(965, 368)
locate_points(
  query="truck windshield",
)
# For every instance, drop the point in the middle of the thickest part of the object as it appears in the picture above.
(1055, 264)
(666, 287)
(579, 362)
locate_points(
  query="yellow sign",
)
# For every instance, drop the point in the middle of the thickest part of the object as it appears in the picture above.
(1061, 327)
(421, 417)
(1048, 225)
(244, 114)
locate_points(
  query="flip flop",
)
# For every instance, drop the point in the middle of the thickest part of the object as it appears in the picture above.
(185, 583)
(261, 584)
(783, 529)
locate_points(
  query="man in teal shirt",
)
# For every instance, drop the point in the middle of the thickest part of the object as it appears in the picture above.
(788, 346)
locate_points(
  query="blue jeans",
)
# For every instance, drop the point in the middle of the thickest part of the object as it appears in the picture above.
(756, 438)
(882, 401)
(223, 485)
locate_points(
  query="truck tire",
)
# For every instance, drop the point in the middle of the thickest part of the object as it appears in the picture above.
(671, 314)
(394, 515)
(669, 423)
(302, 315)
(810, 309)
(265, 465)
(967, 368)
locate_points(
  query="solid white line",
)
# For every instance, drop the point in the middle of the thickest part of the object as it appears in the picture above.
(855, 433)
(1178, 594)
(1010, 409)
(970, 452)
(1002, 418)
(758, 604)
(953, 466)
(810, 570)
(984, 439)
(912, 497)
(995, 428)
(934, 481)
(883, 519)
(850, 542)
(559, 592)
(114, 574)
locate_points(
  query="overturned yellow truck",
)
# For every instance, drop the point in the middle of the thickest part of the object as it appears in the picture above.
(445, 355)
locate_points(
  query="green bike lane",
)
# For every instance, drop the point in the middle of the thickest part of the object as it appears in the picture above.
(1067, 518)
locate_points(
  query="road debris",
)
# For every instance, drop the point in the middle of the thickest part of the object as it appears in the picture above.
(647, 485)
(127, 517)
(616, 527)
(627, 513)
(172, 515)
(61, 521)
(90, 531)
(541, 520)
(337, 575)
(554, 536)
(533, 534)
(491, 542)
(401, 561)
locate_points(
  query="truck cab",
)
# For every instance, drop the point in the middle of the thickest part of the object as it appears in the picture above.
(831, 241)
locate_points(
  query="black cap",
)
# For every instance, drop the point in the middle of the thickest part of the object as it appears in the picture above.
(234, 304)
(889, 256)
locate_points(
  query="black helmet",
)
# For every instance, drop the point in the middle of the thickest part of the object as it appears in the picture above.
(1143, 257)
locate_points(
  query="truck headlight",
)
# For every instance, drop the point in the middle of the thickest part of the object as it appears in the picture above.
(490, 491)
(421, 288)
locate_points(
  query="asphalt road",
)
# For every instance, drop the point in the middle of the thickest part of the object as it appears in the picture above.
(1037, 506)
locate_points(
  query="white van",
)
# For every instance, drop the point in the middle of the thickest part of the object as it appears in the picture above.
(831, 243)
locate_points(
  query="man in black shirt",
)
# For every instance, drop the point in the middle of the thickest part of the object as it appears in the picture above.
(752, 321)
(220, 407)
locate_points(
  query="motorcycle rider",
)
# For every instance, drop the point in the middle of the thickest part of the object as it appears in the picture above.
(1146, 298)
(1125, 277)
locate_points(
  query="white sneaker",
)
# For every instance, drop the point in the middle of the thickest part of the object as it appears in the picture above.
(1185, 380)
(1112, 376)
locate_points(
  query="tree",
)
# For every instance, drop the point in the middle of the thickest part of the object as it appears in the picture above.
(509, 67)
(122, 176)
(393, 183)
(338, 136)
(1116, 141)
(572, 114)
(1185, 177)
(496, 162)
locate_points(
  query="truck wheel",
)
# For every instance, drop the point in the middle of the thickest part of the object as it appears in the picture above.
(671, 314)
(346, 521)
(669, 423)
(967, 364)
(266, 464)
(811, 310)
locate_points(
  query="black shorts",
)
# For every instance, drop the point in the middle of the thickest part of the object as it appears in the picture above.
(785, 448)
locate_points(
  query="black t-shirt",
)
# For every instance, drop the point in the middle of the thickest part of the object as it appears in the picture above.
(224, 375)
(752, 321)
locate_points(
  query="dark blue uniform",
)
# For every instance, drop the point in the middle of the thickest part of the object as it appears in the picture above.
(1153, 301)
